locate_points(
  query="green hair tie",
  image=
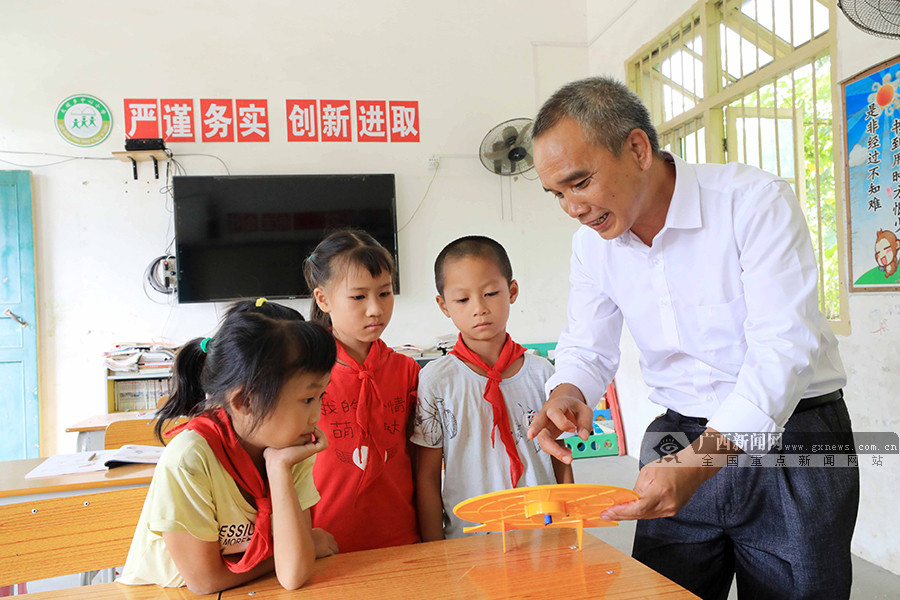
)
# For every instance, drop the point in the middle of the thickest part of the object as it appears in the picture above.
(204, 344)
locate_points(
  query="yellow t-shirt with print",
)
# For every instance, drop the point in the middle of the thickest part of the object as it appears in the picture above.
(192, 492)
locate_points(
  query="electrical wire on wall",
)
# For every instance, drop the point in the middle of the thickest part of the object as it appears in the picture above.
(437, 167)
(161, 275)
(65, 158)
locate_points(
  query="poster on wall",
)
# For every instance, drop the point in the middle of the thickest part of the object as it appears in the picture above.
(872, 136)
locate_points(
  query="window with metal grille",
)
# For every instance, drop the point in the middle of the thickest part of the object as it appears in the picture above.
(752, 81)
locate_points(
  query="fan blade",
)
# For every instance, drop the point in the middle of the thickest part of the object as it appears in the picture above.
(497, 155)
(523, 133)
(509, 135)
(528, 161)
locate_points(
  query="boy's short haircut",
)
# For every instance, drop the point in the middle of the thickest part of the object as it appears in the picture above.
(472, 245)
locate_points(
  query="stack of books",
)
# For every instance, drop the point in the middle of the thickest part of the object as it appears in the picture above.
(141, 358)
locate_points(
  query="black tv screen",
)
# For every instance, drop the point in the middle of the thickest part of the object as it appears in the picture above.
(247, 236)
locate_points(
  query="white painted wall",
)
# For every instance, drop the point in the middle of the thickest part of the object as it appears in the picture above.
(470, 64)
(870, 351)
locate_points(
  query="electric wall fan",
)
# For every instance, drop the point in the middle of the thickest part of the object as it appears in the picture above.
(876, 17)
(506, 149)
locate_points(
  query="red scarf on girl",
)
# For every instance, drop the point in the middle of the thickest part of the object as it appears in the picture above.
(508, 355)
(216, 429)
(369, 408)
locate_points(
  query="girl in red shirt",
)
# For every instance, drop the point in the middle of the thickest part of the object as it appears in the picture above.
(365, 475)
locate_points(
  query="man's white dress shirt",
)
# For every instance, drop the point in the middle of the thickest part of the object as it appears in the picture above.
(723, 306)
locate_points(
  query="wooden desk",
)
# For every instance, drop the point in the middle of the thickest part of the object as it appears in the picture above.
(15, 488)
(69, 523)
(99, 422)
(91, 430)
(117, 591)
(539, 564)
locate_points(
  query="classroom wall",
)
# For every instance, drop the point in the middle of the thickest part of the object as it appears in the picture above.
(869, 352)
(470, 64)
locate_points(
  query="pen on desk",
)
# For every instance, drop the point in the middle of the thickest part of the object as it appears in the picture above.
(93, 456)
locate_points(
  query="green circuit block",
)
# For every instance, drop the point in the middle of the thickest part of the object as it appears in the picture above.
(605, 444)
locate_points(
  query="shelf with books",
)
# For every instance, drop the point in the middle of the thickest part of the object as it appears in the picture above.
(135, 391)
(137, 375)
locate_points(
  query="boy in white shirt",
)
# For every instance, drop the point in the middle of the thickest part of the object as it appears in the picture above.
(475, 404)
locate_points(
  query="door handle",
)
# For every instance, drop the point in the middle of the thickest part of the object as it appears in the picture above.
(10, 314)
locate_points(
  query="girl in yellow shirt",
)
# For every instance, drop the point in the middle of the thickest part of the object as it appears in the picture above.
(230, 497)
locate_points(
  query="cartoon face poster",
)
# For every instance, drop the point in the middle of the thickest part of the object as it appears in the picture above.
(872, 104)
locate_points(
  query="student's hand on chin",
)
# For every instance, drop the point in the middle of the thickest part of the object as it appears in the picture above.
(292, 455)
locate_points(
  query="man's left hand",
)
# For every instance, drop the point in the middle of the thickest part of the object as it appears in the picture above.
(665, 487)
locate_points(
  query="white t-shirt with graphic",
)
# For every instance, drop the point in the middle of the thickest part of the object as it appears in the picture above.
(192, 492)
(452, 413)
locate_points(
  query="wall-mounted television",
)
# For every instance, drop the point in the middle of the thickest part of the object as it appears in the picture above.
(247, 236)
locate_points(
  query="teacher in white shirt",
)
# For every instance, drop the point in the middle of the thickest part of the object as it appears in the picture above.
(712, 268)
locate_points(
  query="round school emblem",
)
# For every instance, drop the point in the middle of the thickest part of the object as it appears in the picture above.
(83, 120)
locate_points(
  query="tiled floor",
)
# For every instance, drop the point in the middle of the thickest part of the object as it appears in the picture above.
(870, 582)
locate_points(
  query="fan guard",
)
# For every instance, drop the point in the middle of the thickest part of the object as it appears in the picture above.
(507, 148)
(875, 17)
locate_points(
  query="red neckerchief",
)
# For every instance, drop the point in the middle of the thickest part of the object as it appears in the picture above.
(216, 429)
(508, 355)
(369, 408)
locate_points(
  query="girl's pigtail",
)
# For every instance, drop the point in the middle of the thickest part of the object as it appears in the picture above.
(316, 275)
(186, 389)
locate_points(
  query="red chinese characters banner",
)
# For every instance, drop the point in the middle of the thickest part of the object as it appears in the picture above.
(302, 119)
(246, 120)
(177, 120)
(371, 124)
(334, 121)
(404, 121)
(252, 120)
(141, 118)
(216, 120)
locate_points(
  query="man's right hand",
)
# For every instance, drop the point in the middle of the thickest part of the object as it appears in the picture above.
(566, 410)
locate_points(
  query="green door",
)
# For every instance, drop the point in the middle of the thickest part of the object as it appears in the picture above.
(19, 413)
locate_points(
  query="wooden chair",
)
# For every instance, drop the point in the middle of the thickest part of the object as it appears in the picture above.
(61, 536)
(119, 433)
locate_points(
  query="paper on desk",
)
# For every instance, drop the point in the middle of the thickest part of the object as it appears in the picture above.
(67, 464)
(87, 462)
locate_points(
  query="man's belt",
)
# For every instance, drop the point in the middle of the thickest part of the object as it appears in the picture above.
(802, 406)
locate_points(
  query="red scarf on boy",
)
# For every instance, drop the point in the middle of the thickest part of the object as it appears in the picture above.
(216, 429)
(508, 355)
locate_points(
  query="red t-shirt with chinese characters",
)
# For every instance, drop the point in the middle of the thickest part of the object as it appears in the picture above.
(366, 502)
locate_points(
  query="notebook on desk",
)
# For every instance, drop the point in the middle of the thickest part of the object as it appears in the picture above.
(101, 460)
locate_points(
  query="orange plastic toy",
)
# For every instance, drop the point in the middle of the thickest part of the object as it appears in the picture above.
(565, 505)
